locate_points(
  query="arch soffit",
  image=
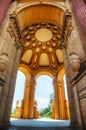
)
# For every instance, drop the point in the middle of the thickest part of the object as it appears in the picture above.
(27, 5)
(26, 70)
(61, 74)
(30, 14)
(44, 72)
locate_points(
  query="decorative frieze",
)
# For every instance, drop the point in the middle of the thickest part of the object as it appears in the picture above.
(14, 31)
(67, 29)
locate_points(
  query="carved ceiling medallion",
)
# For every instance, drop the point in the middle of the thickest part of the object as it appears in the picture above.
(43, 35)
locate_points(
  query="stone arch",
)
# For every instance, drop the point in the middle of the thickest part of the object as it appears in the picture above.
(37, 17)
(26, 70)
(38, 3)
(44, 71)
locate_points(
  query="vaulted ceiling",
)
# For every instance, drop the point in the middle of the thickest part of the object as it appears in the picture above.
(41, 26)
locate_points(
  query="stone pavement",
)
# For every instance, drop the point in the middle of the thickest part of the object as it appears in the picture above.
(35, 128)
(44, 124)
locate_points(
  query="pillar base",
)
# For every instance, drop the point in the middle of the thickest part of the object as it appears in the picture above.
(75, 125)
(5, 123)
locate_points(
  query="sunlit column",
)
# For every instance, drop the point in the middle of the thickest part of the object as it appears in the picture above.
(26, 99)
(53, 110)
(59, 100)
(67, 114)
(60, 103)
(35, 110)
(56, 100)
(62, 100)
(32, 90)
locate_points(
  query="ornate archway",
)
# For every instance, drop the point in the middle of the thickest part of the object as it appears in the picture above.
(42, 35)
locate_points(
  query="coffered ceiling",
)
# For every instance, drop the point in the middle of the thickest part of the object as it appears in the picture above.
(41, 26)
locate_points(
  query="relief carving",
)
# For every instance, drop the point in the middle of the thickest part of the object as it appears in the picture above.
(14, 32)
(67, 29)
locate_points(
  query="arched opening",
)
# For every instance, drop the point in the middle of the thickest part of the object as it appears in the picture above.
(18, 94)
(44, 95)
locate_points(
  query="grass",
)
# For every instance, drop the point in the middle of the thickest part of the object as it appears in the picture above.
(48, 115)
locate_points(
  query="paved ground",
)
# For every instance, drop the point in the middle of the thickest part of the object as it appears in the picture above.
(44, 124)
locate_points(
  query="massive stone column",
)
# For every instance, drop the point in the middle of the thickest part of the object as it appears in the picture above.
(32, 91)
(11, 87)
(73, 121)
(59, 100)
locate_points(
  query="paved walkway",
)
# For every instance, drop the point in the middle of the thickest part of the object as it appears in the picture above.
(39, 124)
(43, 122)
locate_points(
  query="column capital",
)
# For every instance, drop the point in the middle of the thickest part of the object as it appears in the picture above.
(58, 83)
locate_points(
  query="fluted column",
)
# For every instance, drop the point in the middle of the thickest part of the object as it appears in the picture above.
(59, 100)
(26, 100)
(35, 110)
(53, 110)
(56, 100)
(32, 90)
(62, 100)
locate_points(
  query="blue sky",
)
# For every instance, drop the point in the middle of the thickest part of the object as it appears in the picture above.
(44, 88)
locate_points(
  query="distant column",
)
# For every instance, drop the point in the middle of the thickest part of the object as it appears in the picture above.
(4, 5)
(32, 91)
(26, 100)
(56, 100)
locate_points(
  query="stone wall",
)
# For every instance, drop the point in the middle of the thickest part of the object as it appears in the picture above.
(79, 91)
(7, 46)
(79, 11)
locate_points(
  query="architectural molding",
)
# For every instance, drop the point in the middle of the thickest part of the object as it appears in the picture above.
(67, 29)
(2, 80)
(13, 29)
(82, 72)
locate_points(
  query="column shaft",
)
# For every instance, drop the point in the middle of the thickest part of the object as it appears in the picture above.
(26, 100)
(32, 90)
